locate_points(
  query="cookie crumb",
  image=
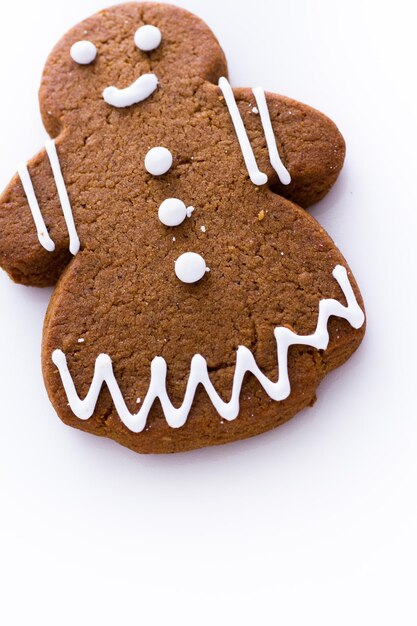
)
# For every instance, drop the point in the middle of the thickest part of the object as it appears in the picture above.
(261, 215)
(203, 229)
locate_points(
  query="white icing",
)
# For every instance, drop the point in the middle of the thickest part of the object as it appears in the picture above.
(83, 52)
(274, 157)
(74, 244)
(172, 212)
(256, 176)
(42, 231)
(139, 90)
(245, 362)
(158, 160)
(43, 235)
(148, 37)
(190, 267)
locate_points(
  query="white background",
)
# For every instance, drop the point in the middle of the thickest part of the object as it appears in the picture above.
(314, 523)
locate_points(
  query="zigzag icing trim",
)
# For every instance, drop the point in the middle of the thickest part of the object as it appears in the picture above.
(245, 362)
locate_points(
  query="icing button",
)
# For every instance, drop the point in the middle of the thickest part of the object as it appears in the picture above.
(172, 212)
(158, 161)
(190, 267)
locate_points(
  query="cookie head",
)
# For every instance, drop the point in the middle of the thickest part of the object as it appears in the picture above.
(117, 58)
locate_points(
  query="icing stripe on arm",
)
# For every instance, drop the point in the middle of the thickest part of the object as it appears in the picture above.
(245, 362)
(74, 245)
(43, 235)
(256, 176)
(275, 159)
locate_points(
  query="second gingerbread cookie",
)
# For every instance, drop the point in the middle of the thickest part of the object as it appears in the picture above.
(196, 301)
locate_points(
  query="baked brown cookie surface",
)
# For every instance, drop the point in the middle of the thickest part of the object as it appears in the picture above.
(158, 349)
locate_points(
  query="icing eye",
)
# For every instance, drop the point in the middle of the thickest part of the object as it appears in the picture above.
(83, 52)
(190, 267)
(147, 38)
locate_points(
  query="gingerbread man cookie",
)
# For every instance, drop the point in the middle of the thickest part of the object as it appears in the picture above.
(196, 300)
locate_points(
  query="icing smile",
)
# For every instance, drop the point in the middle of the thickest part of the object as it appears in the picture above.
(139, 90)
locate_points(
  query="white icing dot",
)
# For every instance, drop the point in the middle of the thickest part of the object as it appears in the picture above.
(172, 212)
(158, 161)
(190, 267)
(148, 37)
(83, 52)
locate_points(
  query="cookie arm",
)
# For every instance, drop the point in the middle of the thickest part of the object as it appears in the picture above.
(34, 239)
(310, 146)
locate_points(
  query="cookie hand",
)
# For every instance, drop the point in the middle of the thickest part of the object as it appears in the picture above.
(303, 154)
(37, 230)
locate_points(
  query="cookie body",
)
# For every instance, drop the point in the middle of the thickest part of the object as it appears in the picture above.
(267, 264)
